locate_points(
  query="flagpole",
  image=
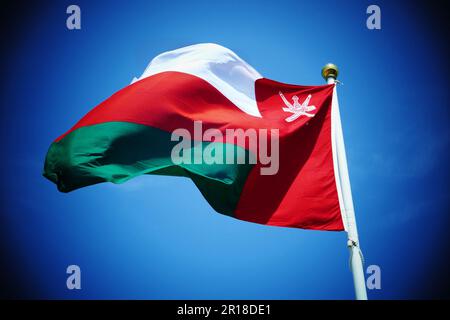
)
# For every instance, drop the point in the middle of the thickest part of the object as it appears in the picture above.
(330, 73)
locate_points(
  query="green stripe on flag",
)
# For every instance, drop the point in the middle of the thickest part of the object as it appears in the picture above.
(119, 151)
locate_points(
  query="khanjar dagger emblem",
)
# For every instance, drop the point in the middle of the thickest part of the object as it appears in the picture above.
(297, 109)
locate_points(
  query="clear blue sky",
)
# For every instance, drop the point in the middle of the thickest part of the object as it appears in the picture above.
(155, 236)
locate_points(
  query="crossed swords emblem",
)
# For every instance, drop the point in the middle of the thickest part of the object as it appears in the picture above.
(297, 109)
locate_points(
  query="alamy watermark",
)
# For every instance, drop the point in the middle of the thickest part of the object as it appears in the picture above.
(212, 146)
(373, 281)
(373, 21)
(73, 21)
(74, 279)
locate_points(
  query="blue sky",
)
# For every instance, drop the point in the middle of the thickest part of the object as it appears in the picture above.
(156, 237)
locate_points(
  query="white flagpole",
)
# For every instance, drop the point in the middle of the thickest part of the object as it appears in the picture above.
(330, 73)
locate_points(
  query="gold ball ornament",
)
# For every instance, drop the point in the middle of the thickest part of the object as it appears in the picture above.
(330, 70)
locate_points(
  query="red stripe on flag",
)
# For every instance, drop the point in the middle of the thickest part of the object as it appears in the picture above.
(171, 100)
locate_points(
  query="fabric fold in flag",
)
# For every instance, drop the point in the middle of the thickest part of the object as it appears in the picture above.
(209, 94)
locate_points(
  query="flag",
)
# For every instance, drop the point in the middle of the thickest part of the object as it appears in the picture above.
(257, 149)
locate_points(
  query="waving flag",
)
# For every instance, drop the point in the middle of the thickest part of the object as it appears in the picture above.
(207, 91)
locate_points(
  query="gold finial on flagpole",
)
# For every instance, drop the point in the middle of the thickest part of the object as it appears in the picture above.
(330, 70)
